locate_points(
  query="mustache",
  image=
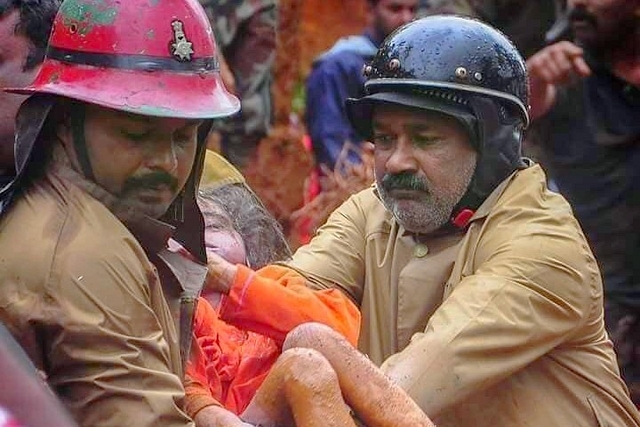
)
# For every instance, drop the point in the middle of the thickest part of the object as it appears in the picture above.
(150, 181)
(404, 181)
(580, 14)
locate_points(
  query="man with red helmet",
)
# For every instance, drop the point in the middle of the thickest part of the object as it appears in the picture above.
(108, 153)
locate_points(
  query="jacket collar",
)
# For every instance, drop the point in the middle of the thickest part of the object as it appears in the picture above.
(487, 206)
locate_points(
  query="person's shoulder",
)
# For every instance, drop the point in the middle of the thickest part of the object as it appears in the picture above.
(531, 236)
(53, 225)
(529, 214)
(348, 51)
(526, 191)
(30, 230)
(529, 187)
(50, 237)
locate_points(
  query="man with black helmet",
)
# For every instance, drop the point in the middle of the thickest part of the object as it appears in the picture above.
(479, 294)
(108, 153)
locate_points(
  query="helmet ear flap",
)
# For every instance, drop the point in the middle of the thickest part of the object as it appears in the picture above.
(360, 115)
(499, 144)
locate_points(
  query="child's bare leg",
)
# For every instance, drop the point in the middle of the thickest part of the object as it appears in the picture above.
(302, 390)
(373, 397)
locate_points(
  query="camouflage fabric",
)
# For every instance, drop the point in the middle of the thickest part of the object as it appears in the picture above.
(525, 22)
(246, 34)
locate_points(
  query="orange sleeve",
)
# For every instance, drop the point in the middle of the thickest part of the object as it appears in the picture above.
(197, 397)
(275, 299)
(198, 394)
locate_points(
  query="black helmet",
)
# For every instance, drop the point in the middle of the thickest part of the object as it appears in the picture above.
(463, 68)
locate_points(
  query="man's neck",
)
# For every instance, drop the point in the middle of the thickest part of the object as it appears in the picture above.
(376, 36)
(625, 59)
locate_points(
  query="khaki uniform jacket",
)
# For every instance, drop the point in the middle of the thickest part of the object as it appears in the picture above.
(80, 295)
(499, 326)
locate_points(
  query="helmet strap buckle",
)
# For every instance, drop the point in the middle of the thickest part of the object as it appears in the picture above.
(462, 218)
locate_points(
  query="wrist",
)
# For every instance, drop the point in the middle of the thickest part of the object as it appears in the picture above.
(215, 416)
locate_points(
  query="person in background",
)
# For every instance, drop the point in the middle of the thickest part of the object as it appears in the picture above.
(24, 31)
(246, 33)
(337, 75)
(585, 103)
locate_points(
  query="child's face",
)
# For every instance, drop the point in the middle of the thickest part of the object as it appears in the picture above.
(226, 243)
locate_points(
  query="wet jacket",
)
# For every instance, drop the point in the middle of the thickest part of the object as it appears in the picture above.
(240, 340)
(78, 291)
(499, 325)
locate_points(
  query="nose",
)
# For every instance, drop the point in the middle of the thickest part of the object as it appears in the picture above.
(402, 158)
(162, 156)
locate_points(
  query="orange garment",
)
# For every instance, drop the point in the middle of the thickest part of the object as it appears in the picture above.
(237, 343)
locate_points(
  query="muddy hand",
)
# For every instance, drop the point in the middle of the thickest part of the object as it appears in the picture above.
(553, 66)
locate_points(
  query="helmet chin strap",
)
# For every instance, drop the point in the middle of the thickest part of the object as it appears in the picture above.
(499, 156)
(77, 120)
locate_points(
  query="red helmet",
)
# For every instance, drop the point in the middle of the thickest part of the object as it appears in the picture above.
(150, 57)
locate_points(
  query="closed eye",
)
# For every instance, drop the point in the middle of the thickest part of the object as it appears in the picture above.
(382, 140)
(425, 140)
(136, 136)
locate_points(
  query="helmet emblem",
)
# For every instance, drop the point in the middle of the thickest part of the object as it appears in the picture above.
(181, 48)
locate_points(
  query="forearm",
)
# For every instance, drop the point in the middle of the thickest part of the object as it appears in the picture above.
(285, 292)
(217, 416)
(197, 397)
